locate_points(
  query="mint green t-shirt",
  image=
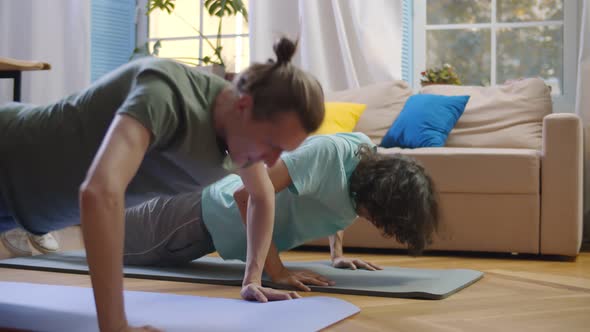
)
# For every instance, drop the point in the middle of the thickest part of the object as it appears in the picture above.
(315, 205)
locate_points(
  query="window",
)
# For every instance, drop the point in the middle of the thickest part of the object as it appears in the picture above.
(407, 38)
(112, 35)
(189, 34)
(492, 41)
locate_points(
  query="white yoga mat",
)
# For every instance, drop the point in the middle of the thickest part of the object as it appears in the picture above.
(63, 308)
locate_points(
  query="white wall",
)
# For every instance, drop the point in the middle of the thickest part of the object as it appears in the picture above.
(57, 32)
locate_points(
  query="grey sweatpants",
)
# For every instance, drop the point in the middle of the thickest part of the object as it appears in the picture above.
(166, 231)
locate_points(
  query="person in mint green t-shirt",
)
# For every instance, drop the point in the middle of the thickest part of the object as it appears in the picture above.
(321, 188)
(150, 128)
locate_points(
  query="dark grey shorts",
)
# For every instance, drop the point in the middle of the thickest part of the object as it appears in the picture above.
(166, 231)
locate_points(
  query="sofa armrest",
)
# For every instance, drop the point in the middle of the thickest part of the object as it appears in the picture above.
(561, 185)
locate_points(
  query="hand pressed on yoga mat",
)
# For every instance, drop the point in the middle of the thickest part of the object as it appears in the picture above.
(337, 253)
(353, 264)
(255, 292)
(300, 279)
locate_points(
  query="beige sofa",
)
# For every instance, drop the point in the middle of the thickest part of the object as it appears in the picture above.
(509, 178)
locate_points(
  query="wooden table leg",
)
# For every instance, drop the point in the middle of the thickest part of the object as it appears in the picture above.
(16, 76)
(17, 86)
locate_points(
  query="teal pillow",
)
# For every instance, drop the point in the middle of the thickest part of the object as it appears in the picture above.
(425, 120)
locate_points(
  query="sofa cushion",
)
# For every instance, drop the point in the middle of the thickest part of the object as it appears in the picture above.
(479, 170)
(425, 120)
(340, 118)
(384, 102)
(504, 116)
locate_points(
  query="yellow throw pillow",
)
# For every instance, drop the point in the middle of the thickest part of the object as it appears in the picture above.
(340, 118)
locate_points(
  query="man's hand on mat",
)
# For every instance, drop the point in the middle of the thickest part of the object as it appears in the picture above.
(255, 292)
(299, 279)
(353, 264)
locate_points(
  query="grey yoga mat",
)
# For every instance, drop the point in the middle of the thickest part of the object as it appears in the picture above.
(389, 282)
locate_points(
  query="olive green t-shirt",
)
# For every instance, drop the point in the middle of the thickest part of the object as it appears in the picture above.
(45, 151)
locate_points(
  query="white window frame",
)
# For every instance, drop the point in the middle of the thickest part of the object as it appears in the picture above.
(142, 21)
(142, 27)
(561, 103)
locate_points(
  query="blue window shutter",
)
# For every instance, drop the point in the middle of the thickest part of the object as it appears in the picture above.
(112, 35)
(407, 41)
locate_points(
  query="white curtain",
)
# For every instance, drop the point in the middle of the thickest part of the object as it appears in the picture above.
(57, 32)
(583, 107)
(344, 43)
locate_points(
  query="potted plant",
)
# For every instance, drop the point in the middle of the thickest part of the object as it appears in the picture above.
(215, 8)
(444, 75)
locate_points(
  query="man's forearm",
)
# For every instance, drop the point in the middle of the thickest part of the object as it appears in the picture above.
(336, 241)
(273, 264)
(259, 234)
(102, 227)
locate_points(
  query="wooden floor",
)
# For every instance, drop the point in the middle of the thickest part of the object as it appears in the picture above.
(516, 294)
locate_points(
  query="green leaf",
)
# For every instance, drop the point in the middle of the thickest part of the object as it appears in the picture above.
(241, 8)
(164, 5)
(157, 46)
(222, 8)
(213, 9)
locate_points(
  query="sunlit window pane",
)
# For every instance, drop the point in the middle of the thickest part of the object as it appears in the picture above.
(185, 51)
(530, 10)
(531, 52)
(181, 23)
(458, 11)
(185, 22)
(468, 50)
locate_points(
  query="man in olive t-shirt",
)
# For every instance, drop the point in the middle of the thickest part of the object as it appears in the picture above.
(46, 151)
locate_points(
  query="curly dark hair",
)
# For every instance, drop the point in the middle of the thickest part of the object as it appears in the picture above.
(398, 195)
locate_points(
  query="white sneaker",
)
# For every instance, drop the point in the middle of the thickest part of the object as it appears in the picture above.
(44, 243)
(15, 240)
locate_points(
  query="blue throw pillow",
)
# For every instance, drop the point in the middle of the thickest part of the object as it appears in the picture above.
(425, 120)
